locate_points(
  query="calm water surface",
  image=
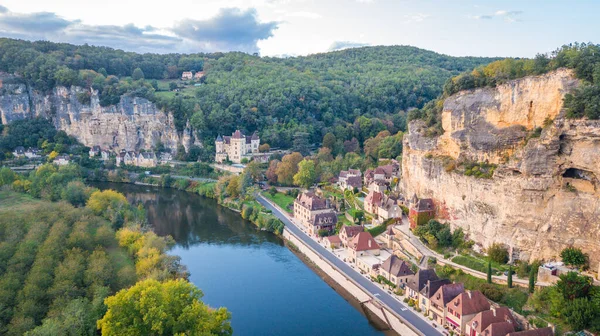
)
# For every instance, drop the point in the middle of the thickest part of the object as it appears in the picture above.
(267, 289)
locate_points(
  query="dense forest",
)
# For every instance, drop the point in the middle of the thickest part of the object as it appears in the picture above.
(583, 58)
(84, 264)
(278, 97)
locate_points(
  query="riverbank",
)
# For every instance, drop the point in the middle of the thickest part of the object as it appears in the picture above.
(353, 301)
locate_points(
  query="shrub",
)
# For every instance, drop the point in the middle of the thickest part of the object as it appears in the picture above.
(498, 253)
(492, 292)
(574, 257)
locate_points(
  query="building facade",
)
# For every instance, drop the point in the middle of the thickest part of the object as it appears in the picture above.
(314, 213)
(236, 147)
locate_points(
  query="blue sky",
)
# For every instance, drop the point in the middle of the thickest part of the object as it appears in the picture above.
(300, 27)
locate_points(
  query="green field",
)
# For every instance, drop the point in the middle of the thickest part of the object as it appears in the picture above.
(17, 201)
(284, 201)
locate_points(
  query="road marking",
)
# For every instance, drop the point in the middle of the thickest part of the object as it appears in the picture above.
(403, 309)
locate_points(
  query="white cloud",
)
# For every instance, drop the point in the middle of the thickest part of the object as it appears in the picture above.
(506, 15)
(419, 17)
(305, 15)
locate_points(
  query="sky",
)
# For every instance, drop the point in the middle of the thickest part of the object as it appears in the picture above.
(300, 27)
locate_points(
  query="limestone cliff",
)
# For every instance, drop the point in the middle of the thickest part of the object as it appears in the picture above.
(133, 124)
(544, 194)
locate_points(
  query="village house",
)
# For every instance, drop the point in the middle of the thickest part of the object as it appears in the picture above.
(165, 158)
(94, 150)
(386, 173)
(62, 160)
(33, 153)
(480, 323)
(378, 186)
(146, 159)
(19, 151)
(396, 270)
(463, 308)
(314, 213)
(236, 147)
(498, 329)
(382, 206)
(417, 282)
(349, 232)
(420, 212)
(187, 75)
(533, 332)
(333, 241)
(431, 287)
(441, 298)
(126, 158)
(350, 179)
(362, 243)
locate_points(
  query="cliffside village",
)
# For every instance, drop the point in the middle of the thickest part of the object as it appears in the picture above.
(460, 311)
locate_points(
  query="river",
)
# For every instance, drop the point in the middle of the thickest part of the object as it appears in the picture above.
(267, 289)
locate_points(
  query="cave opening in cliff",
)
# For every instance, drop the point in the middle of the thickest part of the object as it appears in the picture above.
(581, 174)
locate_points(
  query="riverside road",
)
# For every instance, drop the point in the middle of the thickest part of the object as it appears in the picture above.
(422, 326)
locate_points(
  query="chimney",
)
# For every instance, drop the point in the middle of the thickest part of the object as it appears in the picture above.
(493, 309)
(469, 293)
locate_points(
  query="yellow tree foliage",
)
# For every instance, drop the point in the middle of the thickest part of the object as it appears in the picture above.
(172, 307)
(100, 201)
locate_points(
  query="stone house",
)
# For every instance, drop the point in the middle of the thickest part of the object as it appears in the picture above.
(463, 308)
(62, 160)
(396, 271)
(236, 147)
(378, 186)
(187, 75)
(431, 287)
(349, 232)
(147, 159)
(333, 241)
(382, 206)
(441, 298)
(127, 158)
(420, 212)
(362, 243)
(417, 282)
(314, 212)
(498, 329)
(105, 155)
(19, 151)
(33, 153)
(484, 319)
(350, 179)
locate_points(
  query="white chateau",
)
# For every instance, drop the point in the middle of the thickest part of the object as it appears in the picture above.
(236, 147)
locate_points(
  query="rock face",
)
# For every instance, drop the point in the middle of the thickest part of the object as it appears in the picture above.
(133, 124)
(545, 192)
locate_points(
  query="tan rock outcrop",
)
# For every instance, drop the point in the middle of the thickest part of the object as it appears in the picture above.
(134, 123)
(545, 192)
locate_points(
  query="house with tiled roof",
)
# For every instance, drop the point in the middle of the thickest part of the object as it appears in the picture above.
(463, 308)
(146, 159)
(418, 281)
(533, 332)
(396, 271)
(382, 206)
(431, 287)
(350, 179)
(484, 319)
(186, 75)
(498, 329)
(62, 160)
(94, 150)
(348, 232)
(439, 300)
(236, 147)
(420, 211)
(363, 242)
(333, 241)
(19, 151)
(314, 213)
(386, 173)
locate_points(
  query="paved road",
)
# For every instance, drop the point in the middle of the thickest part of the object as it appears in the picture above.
(376, 292)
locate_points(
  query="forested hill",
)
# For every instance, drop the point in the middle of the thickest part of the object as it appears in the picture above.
(276, 96)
